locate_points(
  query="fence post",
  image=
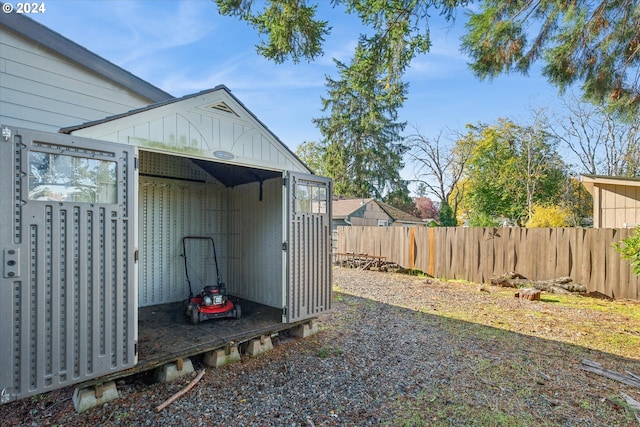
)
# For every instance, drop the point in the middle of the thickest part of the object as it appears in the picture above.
(432, 245)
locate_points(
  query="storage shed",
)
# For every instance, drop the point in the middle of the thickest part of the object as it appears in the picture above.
(93, 217)
(616, 200)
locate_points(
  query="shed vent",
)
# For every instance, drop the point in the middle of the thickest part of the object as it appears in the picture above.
(222, 106)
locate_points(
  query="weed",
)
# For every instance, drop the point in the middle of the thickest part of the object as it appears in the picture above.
(326, 352)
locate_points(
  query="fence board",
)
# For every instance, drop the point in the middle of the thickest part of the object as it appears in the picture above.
(477, 254)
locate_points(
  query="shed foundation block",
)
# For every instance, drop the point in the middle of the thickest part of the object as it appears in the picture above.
(87, 398)
(305, 330)
(259, 345)
(222, 356)
(171, 371)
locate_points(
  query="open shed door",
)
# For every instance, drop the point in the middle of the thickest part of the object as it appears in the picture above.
(308, 246)
(67, 293)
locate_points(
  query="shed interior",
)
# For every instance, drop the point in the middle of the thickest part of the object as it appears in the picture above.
(241, 208)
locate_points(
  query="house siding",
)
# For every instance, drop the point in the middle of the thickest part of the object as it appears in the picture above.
(44, 91)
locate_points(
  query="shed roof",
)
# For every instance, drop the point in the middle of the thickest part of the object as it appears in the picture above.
(590, 181)
(43, 36)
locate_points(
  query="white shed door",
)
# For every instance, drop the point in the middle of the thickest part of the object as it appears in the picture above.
(67, 292)
(308, 246)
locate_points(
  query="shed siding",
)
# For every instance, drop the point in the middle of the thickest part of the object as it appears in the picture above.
(41, 90)
(169, 210)
(191, 128)
(619, 206)
(256, 236)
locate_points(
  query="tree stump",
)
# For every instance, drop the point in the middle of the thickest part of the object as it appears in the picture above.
(530, 294)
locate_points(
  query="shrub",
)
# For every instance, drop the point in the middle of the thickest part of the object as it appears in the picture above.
(549, 216)
(629, 249)
(483, 220)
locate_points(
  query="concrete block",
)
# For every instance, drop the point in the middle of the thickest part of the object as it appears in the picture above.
(259, 345)
(305, 330)
(170, 371)
(222, 356)
(90, 397)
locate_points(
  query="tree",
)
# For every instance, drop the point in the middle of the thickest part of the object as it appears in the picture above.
(290, 26)
(361, 135)
(364, 147)
(580, 41)
(577, 199)
(312, 154)
(603, 144)
(440, 165)
(447, 218)
(593, 43)
(426, 208)
(401, 199)
(511, 169)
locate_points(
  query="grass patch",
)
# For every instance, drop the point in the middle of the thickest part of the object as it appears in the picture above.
(325, 352)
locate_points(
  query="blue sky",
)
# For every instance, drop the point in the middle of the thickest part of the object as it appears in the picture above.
(185, 46)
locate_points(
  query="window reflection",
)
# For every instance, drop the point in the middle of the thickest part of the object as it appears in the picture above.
(61, 177)
(311, 197)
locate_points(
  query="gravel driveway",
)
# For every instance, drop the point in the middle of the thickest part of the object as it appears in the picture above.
(375, 363)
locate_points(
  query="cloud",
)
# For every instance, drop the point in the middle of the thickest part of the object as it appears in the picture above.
(148, 29)
(244, 71)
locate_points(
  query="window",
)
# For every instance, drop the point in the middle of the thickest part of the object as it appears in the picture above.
(311, 197)
(65, 178)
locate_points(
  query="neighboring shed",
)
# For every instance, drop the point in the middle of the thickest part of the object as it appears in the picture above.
(616, 200)
(94, 217)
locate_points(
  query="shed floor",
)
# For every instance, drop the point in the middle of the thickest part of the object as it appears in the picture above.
(166, 333)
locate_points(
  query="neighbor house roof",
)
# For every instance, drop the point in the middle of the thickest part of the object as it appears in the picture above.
(399, 215)
(342, 208)
(589, 181)
(43, 36)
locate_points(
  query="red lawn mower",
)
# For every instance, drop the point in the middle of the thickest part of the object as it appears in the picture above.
(212, 302)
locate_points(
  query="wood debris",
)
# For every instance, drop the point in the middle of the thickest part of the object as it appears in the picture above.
(170, 400)
(595, 367)
(558, 286)
(529, 294)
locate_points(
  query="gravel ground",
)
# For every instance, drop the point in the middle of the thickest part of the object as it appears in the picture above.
(384, 356)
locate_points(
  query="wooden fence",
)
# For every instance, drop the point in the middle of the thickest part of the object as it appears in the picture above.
(477, 254)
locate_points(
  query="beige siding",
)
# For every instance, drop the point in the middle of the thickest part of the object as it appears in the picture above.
(41, 90)
(619, 206)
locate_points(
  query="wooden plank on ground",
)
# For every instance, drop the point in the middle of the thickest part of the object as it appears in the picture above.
(596, 368)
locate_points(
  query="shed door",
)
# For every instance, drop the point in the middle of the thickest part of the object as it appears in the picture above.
(308, 246)
(67, 293)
